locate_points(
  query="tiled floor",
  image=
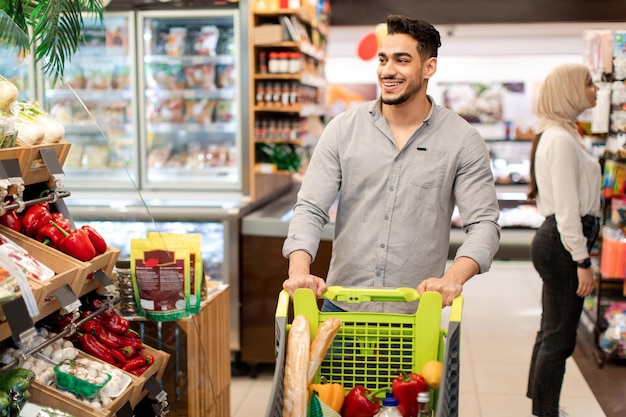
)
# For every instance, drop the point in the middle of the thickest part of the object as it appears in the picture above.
(499, 322)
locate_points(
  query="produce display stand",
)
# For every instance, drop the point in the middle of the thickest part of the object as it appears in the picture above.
(371, 349)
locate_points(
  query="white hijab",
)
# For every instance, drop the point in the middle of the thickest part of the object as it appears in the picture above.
(562, 98)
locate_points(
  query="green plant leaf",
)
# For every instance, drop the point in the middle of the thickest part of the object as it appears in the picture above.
(55, 25)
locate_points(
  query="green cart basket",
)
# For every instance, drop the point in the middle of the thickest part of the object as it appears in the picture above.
(371, 349)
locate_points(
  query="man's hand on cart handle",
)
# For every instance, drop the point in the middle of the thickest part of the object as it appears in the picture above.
(315, 283)
(300, 275)
(451, 283)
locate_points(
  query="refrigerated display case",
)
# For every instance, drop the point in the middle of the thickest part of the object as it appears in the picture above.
(96, 102)
(189, 84)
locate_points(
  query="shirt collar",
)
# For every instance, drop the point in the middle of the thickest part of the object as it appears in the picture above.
(376, 105)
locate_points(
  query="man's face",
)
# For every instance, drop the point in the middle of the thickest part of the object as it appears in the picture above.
(401, 74)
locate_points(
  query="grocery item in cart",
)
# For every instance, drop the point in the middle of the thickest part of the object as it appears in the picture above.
(371, 349)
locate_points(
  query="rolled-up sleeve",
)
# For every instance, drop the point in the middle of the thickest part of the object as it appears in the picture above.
(477, 201)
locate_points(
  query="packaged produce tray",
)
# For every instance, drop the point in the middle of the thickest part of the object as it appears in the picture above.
(371, 349)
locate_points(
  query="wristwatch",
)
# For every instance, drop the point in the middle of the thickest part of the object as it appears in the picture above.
(585, 264)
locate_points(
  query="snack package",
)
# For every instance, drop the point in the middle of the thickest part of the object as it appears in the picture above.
(160, 276)
(15, 277)
(196, 267)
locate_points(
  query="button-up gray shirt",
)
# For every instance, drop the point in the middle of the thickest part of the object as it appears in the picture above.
(392, 227)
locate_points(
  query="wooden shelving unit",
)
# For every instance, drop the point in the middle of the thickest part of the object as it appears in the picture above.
(287, 117)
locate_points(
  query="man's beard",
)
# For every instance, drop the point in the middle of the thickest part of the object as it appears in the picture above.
(402, 98)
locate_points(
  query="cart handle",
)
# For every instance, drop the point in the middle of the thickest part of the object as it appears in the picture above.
(357, 295)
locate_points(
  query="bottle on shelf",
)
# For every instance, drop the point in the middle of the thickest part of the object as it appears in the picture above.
(390, 407)
(423, 404)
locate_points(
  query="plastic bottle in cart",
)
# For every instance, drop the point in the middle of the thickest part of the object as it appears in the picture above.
(390, 407)
(423, 404)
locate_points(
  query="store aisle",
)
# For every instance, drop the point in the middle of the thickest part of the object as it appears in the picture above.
(500, 318)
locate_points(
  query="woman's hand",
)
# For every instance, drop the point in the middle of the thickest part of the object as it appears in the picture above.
(585, 282)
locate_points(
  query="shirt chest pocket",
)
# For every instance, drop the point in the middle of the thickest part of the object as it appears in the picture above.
(428, 169)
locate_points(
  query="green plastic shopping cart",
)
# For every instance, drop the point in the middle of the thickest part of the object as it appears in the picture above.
(371, 349)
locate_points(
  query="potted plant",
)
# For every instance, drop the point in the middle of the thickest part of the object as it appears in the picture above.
(52, 28)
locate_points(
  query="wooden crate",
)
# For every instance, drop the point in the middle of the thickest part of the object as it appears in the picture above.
(157, 369)
(32, 166)
(65, 269)
(82, 281)
(51, 397)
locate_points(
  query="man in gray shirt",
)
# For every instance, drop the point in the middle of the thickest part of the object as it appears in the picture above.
(398, 165)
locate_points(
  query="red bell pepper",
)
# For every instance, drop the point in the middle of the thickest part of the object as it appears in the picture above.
(129, 352)
(62, 221)
(361, 402)
(50, 235)
(405, 388)
(121, 360)
(96, 239)
(135, 363)
(91, 345)
(35, 217)
(76, 244)
(11, 220)
(92, 326)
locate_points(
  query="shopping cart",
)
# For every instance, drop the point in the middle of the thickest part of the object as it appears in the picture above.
(371, 349)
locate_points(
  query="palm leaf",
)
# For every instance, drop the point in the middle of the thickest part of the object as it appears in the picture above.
(12, 34)
(56, 28)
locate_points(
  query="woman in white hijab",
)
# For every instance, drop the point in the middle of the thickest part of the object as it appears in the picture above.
(565, 181)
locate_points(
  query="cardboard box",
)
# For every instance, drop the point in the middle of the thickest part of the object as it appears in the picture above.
(268, 34)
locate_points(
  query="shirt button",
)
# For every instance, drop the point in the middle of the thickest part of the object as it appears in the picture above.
(377, 274)
(386, 217)
(390, 188)
(382, 245)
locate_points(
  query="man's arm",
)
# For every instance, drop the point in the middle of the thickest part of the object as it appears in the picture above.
(451, 283)
(300, 274)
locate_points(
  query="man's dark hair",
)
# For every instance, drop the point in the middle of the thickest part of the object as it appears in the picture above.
(427, 37)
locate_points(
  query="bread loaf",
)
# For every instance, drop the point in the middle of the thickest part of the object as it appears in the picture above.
(321, 342)
(295, 393)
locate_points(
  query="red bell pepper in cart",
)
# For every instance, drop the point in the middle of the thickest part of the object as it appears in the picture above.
(35, 217)
(76, 244)
(96, 239)
(361, 402)
(405, 388)
(11, 220)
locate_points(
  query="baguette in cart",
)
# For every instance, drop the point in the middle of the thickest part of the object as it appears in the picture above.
(371, 349)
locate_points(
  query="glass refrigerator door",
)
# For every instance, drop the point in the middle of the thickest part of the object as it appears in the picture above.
(96, 103)
(189, 84)
(18, 69)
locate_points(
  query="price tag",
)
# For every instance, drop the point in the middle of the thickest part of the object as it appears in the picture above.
(53, 165)
(105, 281)
(22, 328)
(67, 299)
(51, 160)
(12, 168)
